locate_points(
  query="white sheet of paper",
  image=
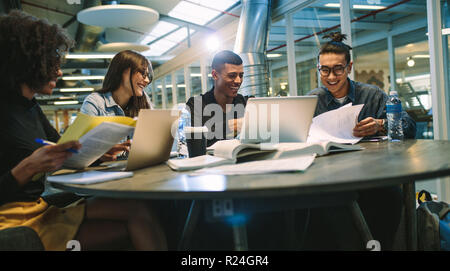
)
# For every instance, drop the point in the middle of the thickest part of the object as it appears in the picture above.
(336, 125)
(96, 142)
(298, 163)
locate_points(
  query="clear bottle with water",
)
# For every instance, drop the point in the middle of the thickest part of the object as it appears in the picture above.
(184, 121)
(394, 118)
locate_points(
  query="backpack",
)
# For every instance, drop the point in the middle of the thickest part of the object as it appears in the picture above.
(433, 224)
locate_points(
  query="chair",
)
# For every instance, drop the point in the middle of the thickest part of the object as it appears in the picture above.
(20, 239)
(26, 239)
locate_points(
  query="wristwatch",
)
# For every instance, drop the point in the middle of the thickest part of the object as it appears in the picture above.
(385, 125)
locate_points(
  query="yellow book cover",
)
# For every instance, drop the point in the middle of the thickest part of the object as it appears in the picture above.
(84, 123)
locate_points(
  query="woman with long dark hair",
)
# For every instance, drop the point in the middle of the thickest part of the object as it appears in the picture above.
(123, 92)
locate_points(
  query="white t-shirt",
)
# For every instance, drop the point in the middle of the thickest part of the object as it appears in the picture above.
(340, 100)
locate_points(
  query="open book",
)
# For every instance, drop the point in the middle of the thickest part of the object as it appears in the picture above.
(97, 134)
(228, 151)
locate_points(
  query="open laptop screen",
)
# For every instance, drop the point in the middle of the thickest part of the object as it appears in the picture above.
(278, 119)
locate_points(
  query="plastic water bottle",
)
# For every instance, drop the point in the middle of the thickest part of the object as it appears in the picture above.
(394, 112)
(184, 121)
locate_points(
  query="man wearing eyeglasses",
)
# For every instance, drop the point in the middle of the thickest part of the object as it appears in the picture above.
(383, 217)
(334, 67)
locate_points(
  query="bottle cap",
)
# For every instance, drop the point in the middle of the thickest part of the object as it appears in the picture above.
(189, 129)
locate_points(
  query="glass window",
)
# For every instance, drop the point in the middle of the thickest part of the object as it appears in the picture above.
(168, 83)
(157, 99)
(161, 28)
(310, 25)
(408, 27)
(445, 11)
(209, 80)
(181, 86)
(200, 11)
(277, 60)
(196, 82)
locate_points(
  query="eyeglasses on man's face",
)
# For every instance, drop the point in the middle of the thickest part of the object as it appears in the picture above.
(337, 70)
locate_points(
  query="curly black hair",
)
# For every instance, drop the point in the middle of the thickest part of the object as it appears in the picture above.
(31, 51)
(336, 45)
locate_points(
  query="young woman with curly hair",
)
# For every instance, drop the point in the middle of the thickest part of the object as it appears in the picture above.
(31, 50)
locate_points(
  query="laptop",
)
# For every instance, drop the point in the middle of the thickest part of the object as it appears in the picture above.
(152, 140)
(278, 119)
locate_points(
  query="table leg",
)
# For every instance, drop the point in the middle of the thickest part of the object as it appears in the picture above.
(190, 224)
(290, 236)
(409, 197)
(360, 223)
(240, 237)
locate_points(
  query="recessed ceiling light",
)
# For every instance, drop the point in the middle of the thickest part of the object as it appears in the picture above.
(75, 89)
(120, 46)
(65, 102)
(332, 5)
(83, 77)
(90, 56)
(368, 7)
(337, 5)
(274, 55)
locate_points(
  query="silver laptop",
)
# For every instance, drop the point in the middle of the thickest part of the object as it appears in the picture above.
(278, 119)
(152, 140)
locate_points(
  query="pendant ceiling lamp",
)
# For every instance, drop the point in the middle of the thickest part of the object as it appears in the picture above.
(118, 16)
(120, 46)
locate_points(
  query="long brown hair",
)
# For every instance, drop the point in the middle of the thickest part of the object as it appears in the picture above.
(120, 63)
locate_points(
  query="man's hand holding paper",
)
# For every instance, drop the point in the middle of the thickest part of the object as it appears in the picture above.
(367, 127)
(336, 125)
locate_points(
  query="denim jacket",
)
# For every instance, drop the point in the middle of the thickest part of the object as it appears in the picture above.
(373, 98)
(103, 104)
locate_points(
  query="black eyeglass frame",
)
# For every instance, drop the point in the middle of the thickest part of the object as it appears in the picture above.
(145, 74)
(332, 70)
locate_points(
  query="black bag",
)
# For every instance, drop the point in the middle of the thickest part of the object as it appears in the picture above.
(433, 224)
